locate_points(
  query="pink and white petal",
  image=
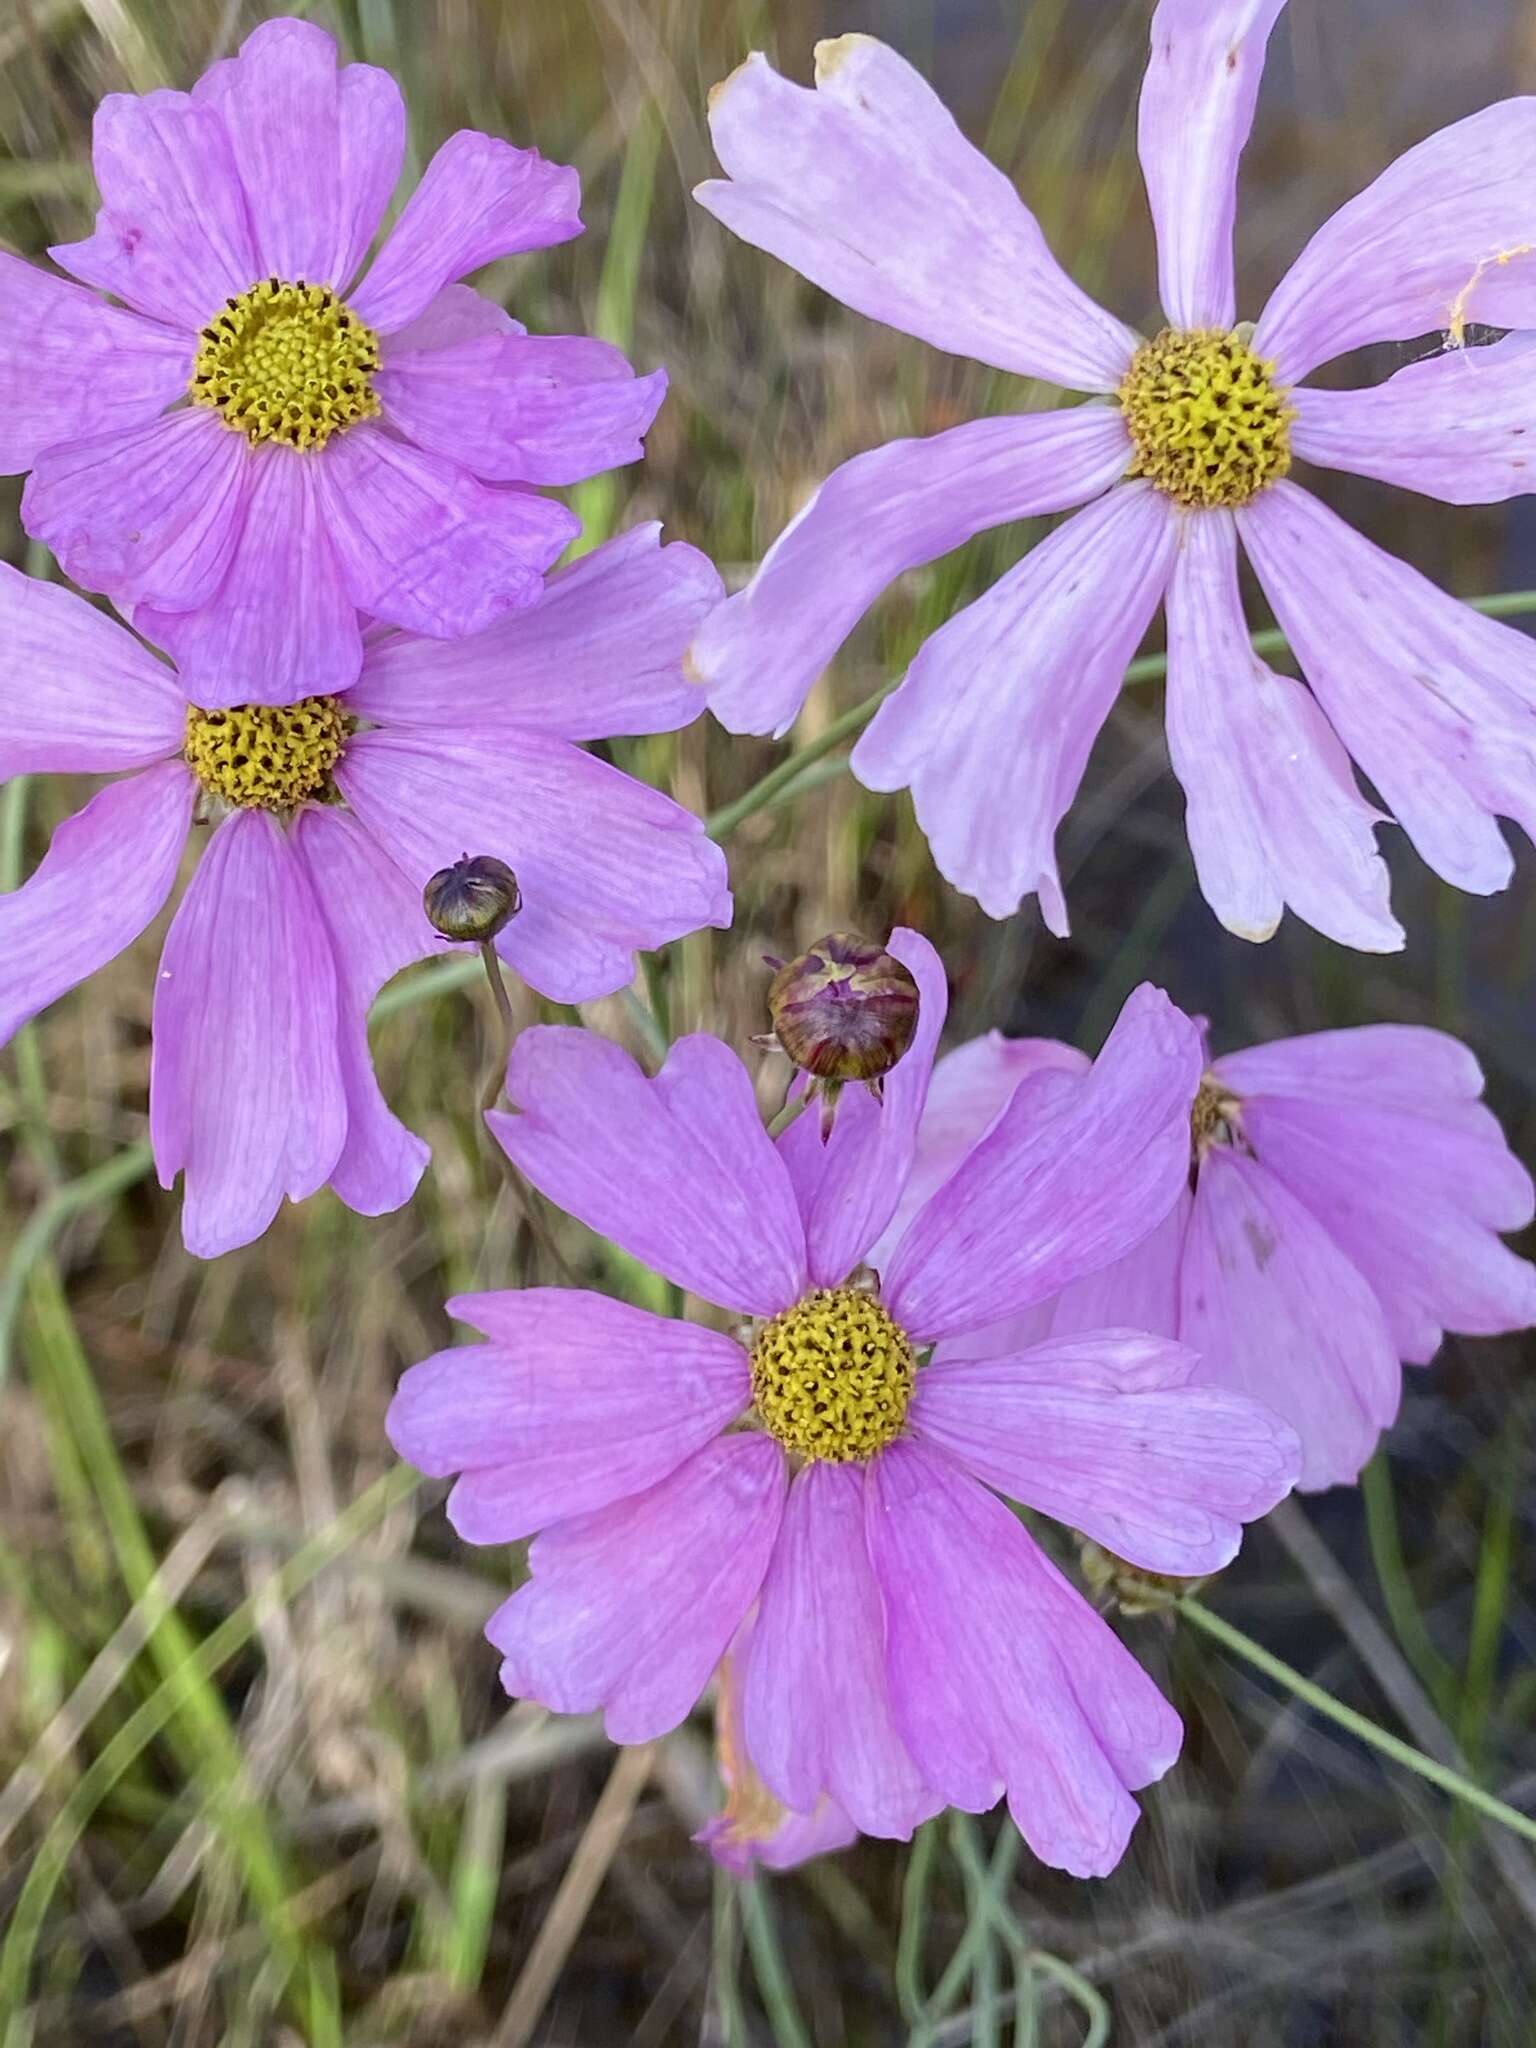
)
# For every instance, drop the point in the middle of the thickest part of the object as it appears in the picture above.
(151, 514)
(678, 1170)
(992, 725)
(1197, 101)
(104, 878)
(816, 1718)
(1277, 1312)
(1443, 236)
(608, 867)
(318, 149)
(72, 368)
(173, 236)
(425, 545)
(577, 1402)
(631, 1608)
(281, 625)
(867, 187)
(377, 926)
(79, 693)
(1415, 1203)
(1140, 1291)
(458, 313)
(1274, 815)
(478, 199)
(1458, 426)
(1105, 1433)
(1071, 1176)
(1002, 1678)
(1435, 702)
(877, 516)
(600, 654)
(848, 1187)
(246, 1092)
(523, 408)
(1400, 1066)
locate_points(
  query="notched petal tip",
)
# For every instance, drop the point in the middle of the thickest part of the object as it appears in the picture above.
(833, 52)
(722, 86)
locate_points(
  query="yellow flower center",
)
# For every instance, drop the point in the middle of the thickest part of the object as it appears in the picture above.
(832, 1376)
(1213, 1119)
(267, 757)
(287, 362)
(1209, 423)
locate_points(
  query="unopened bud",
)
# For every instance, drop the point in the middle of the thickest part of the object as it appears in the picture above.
(473, 899)
(846, 1010)
(1127, 1586)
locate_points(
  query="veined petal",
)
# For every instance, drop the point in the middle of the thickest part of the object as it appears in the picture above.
(80, 693)
(1274, 816)
(1444, 236)
(866, 186)
(1140, 1291)
(1197, 102)
(631, 1608)
(1436, 703)
(878, 515)
(1458, 426)
(1062, 1184)
(478, 199)
(246, 1094)
(458, 313)
(993, 724)
(105, 876)
(1399, 1066)
(678, 1170)
(72, 367)
(577, 1402)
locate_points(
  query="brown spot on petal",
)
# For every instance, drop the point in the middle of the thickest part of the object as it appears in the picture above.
(833, 54)
(1260, 1242)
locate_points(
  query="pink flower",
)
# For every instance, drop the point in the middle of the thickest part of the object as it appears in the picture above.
(912, 1644)
(866, 186)
(334, 814)
(353, 443)
(1346, 1194)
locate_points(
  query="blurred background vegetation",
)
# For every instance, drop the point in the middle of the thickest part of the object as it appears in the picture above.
(261, 1785)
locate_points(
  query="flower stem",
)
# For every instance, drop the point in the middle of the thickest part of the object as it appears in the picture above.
(783, 1118)
(496, 1078)
(1358, 1725)
(1502, 604)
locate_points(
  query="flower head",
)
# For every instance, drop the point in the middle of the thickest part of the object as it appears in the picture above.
(1341, 1213)
(912, 1646)
(472, 900)
(867, 187)
(270, 436)
(844, 1010)
(330, 815)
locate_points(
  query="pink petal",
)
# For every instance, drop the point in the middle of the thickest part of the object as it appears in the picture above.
(377, 926)
(152, 514)
(318, 150)
(79, 692)
(1423, 249)
(848, 1187)
(577, 1402)
(173, 237)
(613, 626)
(1436, 703)
(878, 515)
(992, 726)
(522, 408)
(71, 366)
(1002, 1678)
(246, 1092)
(1458, 426)
(1139, 1291)
(678, 1170)
(1277, 1312)
(425, 545)
(105, 876)
(816, 1717)
(458, 313)
(1274, 815)
(631, 1608)
(1197, 102)
(868, 188)
(281, 625)
(478, 199)
(793, 1839)
(1105, 1433)
(1051, 1194)
(1400, 1066)
(608, 867)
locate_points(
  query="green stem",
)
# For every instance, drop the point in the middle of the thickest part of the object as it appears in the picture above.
(44, 1225)
(496, 1075)
(1357, 1724)
(783, 1118)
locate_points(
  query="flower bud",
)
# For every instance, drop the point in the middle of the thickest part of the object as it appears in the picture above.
(846, 1010)
(1127, 1587)
(473, 899)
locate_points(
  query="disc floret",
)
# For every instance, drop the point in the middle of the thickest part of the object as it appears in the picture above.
(1209, 424)
(287, 362)
(268, 757)
(832, 1376)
